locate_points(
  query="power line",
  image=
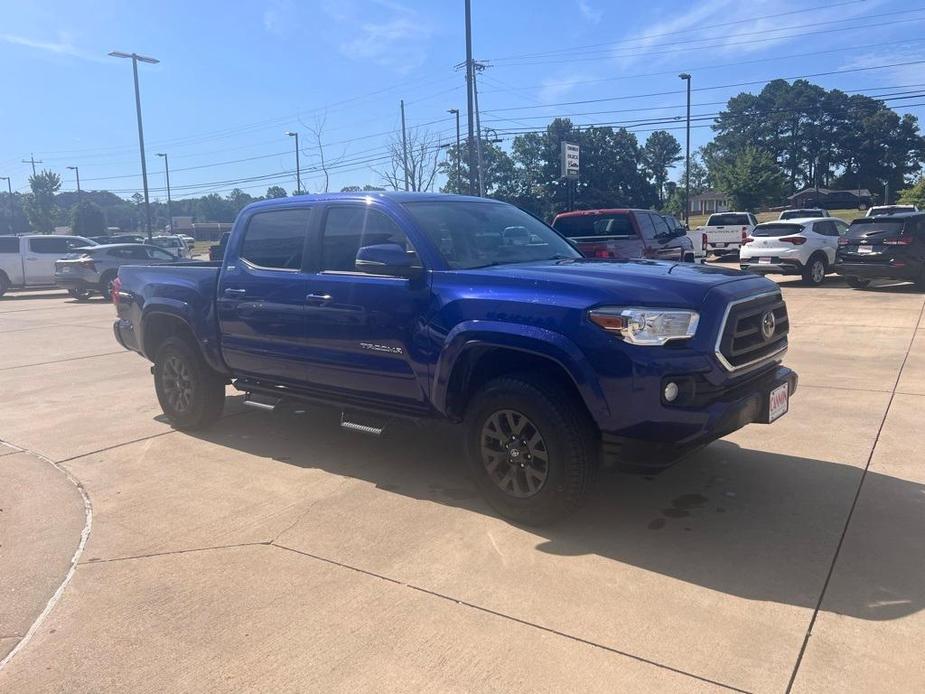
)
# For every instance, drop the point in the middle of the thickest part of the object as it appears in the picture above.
(608, 47)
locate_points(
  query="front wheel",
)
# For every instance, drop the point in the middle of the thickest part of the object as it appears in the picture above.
(814, 272)
(191, 394)
(857, 282)
(532, 448)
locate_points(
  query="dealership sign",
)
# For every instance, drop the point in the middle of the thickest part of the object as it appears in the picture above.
(569, 160)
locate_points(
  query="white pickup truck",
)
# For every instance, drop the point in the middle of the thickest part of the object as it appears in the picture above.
(29, 261)
(726, 230)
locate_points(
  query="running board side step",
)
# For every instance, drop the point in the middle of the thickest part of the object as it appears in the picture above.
(359, 428)
(262, 402)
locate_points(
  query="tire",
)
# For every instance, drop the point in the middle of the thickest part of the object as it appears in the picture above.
(106, 285)
(79, 294)
(4, 283)
(920, 282)
(529, 405)
(857, 282)
(814, 272)
(191, 394)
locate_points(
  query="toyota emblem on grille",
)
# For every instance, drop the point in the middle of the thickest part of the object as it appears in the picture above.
(768, 325)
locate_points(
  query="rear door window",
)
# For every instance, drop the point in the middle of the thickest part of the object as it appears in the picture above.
(276, 239)
(826, 228)
(647, 225)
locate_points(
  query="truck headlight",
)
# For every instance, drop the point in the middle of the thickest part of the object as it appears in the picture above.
(647, 326)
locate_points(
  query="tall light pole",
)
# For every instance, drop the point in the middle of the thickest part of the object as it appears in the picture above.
(167, 174)
(470, 115)
(9, 187)
(76, 169)
(455, 111)
(141, 134)
(404, 144)
(298, 169)
(687, 157)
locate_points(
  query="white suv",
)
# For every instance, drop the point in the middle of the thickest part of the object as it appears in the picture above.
(803, 247)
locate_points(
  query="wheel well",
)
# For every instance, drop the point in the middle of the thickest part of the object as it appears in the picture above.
(479, 365)
(160, 326)
(821, 255)
(4, 279)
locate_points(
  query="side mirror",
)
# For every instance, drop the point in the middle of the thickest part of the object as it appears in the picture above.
(387, 259)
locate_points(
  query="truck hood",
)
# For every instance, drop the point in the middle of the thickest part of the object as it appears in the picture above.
(641, 282)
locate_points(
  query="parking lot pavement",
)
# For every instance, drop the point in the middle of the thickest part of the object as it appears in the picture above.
(276, 552)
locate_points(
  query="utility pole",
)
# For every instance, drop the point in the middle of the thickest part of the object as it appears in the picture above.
(478, 67)
(167, 174)
(687, 156)
(32, 160)
(404, 145)
(886, 193)
(455, 111)
(469, 80)
(298, 168)
(141, 134)
(9, 187)
(76, 169)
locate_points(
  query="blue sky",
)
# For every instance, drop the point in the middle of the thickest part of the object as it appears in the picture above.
(234, 77)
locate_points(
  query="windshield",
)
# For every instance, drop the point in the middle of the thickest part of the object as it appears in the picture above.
(478, 234)
(776, 229)
(594, 225)
(722, 220)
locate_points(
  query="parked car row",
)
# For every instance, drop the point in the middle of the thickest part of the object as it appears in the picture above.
(889, 246)
(80, 265)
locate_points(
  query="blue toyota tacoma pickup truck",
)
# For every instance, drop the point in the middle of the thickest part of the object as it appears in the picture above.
(424, 306)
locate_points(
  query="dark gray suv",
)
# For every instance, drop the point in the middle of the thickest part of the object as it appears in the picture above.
(93, 269)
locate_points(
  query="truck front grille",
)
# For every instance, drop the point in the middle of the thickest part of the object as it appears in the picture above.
(755, 330)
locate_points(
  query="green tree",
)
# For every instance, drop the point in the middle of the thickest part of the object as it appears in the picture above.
(238, 200)
(214, 208)
(752, 179)
(275, 192)
(40, 204)
(497, 171)
(914, 195)
(87, 219)
(661, 151)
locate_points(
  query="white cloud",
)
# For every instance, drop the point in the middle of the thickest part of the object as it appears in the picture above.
(900, 74)
(555, 88)
(392, 34)
(62, 46)
(588, 12)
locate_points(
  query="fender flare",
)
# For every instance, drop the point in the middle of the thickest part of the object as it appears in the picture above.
(182, 312)
(536, 341)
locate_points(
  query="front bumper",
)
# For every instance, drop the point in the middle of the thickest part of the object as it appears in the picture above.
(711, 415)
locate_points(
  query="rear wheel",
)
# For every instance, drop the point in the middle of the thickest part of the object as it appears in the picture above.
(857, 282)
(4, 284)
(79, 294)
(814, 272)
(191, 394)
(532, 448)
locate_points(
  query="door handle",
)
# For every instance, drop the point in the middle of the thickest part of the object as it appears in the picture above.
(32, 258)
(318, 298)
(235, 293)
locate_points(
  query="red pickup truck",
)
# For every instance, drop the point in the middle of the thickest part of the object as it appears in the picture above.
(622, 233)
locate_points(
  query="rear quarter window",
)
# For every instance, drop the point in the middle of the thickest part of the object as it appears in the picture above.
(9, 244)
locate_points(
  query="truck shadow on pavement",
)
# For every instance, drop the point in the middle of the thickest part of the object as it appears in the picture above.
(752, 524)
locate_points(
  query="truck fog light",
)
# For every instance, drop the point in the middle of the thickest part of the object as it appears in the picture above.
(671, 392)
